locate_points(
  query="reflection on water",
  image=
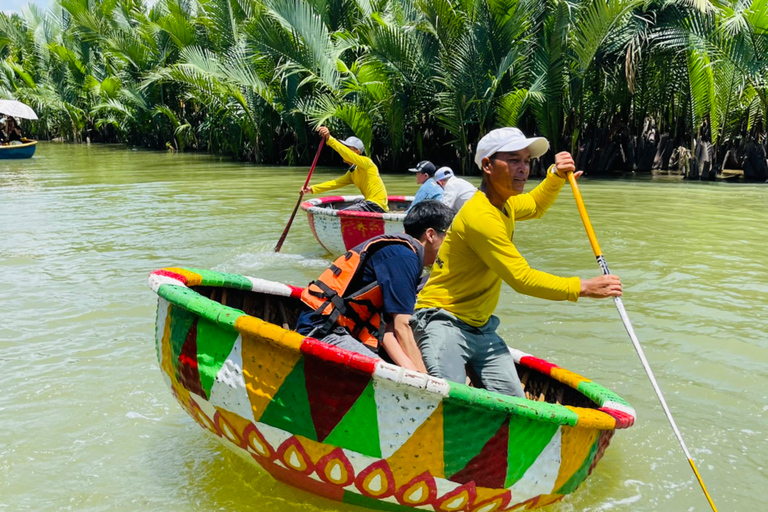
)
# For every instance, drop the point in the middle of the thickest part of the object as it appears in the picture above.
(88, 422)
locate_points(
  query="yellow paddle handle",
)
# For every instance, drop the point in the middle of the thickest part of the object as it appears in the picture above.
(584, 216)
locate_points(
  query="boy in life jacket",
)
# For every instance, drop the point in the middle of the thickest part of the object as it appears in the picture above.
(365, 299)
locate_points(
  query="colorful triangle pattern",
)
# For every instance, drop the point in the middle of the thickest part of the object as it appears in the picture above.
(332, 390)
(189, 375)
(581, 473)
(423, 449)
(289, 408)
(181, 322)
(527, 439)
(358, 430)
(541, 476)
(229, 390)
(213, 348)
(401, 414)
(460, 419)
(489, 467)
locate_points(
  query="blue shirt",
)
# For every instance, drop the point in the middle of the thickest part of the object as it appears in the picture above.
(430, 189)
(397, 270)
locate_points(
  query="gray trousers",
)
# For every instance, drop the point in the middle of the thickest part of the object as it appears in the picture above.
(362, 205)
(342, 339)
(448, 345)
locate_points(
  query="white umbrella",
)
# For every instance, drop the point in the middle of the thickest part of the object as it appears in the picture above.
(16, 109)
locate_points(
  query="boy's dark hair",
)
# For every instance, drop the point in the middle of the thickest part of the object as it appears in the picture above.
(428, 214)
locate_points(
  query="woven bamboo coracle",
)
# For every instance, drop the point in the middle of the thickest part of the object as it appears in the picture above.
(359, 430)
(339, 230)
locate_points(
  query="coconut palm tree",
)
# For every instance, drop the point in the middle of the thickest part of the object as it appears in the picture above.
(411, 78)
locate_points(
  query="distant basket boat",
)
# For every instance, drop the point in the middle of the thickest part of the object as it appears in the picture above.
(23, 150)
(339, 230)
(361, 431)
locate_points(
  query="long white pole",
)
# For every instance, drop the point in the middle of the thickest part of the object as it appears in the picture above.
(631, 331)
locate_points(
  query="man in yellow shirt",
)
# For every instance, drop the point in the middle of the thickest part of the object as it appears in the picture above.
(363, 173)
(454, 323)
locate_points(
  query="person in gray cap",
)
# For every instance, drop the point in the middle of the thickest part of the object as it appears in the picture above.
(457, 190)
(363, 173)
(454, 323)
(425, 176)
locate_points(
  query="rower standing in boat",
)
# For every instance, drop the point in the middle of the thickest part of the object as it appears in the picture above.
(364, 301)
(363, 173)
(454, 323)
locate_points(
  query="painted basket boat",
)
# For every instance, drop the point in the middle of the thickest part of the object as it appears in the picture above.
(361, 431)
(338, 230)
(13, 151)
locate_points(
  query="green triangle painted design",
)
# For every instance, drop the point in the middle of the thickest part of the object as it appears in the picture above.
(214, 345)
(289, 408)
(181, 322)
(582, 473)
(358, 430)
(458, 419)
(527, 439)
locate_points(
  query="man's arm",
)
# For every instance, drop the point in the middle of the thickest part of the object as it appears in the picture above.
(401, 345)
(398, 271)
(488, 238)
(342, 181)
(533, 204)
(348, 155)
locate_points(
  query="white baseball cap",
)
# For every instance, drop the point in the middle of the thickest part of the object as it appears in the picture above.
(354, 142)
(508, 139)
(443, 173)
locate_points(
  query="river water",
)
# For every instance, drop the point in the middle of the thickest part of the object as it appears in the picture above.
(88, 424)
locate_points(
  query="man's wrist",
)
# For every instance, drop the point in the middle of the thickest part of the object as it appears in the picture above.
(553, 170)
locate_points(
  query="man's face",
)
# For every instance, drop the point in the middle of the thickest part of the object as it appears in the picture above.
(509, 171)
(421, 177)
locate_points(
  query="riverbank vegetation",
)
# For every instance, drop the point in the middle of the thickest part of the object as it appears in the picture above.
(623, 84)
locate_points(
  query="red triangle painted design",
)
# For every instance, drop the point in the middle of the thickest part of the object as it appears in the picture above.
(489, 467)
(189, 374)
(332, 390)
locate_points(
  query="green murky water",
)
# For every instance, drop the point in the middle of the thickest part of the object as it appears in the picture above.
(87, 423)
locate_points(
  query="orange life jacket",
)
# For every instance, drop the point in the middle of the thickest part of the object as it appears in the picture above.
(338, 294)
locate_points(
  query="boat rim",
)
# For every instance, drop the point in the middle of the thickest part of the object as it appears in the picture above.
(317, 206)
(18, 146)
(174, 285)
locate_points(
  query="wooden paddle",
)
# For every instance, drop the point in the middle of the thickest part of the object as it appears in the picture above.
(301, 196)
(630, 330)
